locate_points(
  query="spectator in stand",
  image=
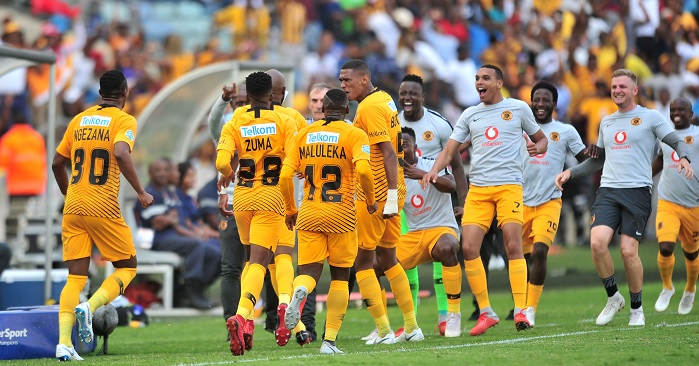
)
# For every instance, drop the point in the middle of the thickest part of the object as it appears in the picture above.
(464, 71)
(23, 158)
(667, 78)
(13, 85)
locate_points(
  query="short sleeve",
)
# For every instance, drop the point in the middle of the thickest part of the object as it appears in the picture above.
(600, 138)
(661, 127)
(126, 131)
(64, 147)
(575, 144)
(461, 131)
(374, 120)
(529, 124)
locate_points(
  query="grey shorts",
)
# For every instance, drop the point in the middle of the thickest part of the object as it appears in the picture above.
(625, 210)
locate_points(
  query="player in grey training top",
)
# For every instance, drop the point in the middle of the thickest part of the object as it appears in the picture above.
(678, 210)
(432, 228)
(432, 132)
(495, 127)
(542, 200)
(623, 202)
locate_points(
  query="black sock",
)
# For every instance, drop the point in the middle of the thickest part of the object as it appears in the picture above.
(610, 285)
(635, 299)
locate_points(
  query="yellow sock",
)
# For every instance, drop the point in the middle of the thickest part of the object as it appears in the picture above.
(451, 276)
(251, 288)
(272, 269)
(306, 281)
(404, 298)
(285, 277)
(518, 282)
(692, 272)
(384, 300)
(338, 297)
(370, 290)
(112, 287)
(666, 266)
(70, 298)
(243, 274)
(475, 275)
(533, 295)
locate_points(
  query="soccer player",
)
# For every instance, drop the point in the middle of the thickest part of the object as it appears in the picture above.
(432, 229)
(379, 234)
(495, 128)
(432, 132)
(98, 143)
(233, 255)
(328, 152)
(261, 138)
(678, 210)
(623, 202)
(542, 201)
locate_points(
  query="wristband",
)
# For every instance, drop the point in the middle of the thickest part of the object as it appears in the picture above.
(223, 193)
(392, 195)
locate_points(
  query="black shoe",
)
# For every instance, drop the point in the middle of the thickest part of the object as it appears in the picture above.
(195, 295)
(474, 315)
(271, 324)
(511, 315)
(303, 337)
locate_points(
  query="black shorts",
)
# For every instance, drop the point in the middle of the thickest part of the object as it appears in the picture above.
(625, 210)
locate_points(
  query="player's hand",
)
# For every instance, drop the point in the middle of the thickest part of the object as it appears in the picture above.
(223, 205)
(290, 220)
(222, 183)
(229, 93)
(592, 151)
(532, 150)
(562, 178)
(300, 176)
(372, 207)
(684, 164)
(428, 178)
(412, 172)
(145, 198)
(458, 213)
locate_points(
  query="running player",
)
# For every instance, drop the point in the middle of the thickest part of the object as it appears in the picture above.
(98, 143)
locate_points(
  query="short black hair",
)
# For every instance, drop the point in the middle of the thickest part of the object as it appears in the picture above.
(183, 167)
(409, 131)
(113, 84)
(258, 84)
(498, 71)
(356, 65)
(335, 99)
(543, 84)
(415, 79)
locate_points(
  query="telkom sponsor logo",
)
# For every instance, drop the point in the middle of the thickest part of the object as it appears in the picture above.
(95, 121)
(323, 137)
(259, 130)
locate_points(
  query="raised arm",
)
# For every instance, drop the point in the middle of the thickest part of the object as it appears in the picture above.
(441, 162)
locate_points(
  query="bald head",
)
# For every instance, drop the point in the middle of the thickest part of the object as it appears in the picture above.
(681, 113)
(278, 87)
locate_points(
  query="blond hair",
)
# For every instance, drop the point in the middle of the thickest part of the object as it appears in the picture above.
(625, 72)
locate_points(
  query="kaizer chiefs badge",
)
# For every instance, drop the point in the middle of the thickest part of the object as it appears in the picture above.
(428, 135)
(506, 115)
(689, 140)
(555, 136)
(223, 224)
(636, 121)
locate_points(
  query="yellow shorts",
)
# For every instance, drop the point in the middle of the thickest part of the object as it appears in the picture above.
(261, 228)
(287, 238)
(339, 248)
(111, 236)
(373, 230)
(673, 220)
(540, 224)
(415, 247)
(483, 202)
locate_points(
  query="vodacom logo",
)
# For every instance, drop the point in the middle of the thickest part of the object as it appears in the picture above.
(417, 201)
(675, 157)
(620, 137)
(491, 133)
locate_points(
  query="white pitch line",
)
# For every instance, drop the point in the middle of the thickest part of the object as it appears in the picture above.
(433, 348)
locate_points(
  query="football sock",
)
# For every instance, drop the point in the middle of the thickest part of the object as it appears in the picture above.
(518, 282)
(692, 272)
(112, 287)
(384, 300)
(371, 291)
(452, 286)
(414, 282)
(306, 281)
(533, 295)
(401, 291)
(439, 289)
(272, 269)
(70, 298)
(665, 266)
(243, 274)
(285, 277)
(635, 299)
(610, 285)
(338, 298)
(475, 275)
(250, 289)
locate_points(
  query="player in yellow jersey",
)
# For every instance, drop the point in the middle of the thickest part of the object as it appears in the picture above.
(98, 143)
(379, 233)
(328, 153)
(261, 138)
